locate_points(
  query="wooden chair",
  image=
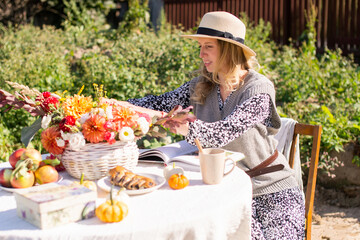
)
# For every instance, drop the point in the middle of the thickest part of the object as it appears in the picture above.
(315, 132)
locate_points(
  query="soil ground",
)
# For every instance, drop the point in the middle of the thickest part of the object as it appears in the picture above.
(336, 214)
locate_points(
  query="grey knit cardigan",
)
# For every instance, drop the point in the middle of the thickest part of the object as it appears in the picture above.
(257, 143)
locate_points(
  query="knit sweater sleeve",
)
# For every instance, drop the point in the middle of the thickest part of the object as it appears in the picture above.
(217, 134)
(166, 101)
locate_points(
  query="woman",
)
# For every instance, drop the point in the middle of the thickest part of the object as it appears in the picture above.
(235, 110)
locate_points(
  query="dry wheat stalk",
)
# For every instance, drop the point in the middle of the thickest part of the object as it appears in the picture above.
(9, 101)
(24, 90)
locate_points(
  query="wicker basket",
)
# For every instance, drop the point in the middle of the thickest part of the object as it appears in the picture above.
(96, 159)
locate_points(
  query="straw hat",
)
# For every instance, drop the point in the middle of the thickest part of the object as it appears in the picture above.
(223, 26)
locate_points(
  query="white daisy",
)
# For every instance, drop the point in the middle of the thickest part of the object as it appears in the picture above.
(126, 134)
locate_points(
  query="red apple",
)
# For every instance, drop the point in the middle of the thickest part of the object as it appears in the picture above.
(34, 156)
(15, 156)
(24, 180)
(5, 175)
(46, 174)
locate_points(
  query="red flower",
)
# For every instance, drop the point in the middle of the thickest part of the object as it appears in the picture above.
(109, 125)
(109, 137)
(65, 122)
(48, 102)
(46, 94)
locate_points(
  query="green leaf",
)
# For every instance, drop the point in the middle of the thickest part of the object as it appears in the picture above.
(356, 160)
(27, 133)
(328, 113)
(356, 126)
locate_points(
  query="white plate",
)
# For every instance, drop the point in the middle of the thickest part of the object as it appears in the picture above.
(105, 184)
(21, 189)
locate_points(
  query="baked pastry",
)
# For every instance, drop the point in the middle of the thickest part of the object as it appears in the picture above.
(120, 176)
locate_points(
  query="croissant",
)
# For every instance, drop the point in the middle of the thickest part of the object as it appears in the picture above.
(120, 176)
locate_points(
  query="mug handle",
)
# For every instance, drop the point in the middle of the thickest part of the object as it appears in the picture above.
(234, 164)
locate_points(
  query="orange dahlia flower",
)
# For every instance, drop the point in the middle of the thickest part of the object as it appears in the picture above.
(93, 129)
(124, 117)
(77, 106)
(48, 140)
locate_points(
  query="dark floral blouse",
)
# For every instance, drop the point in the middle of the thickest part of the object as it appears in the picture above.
(215, 134)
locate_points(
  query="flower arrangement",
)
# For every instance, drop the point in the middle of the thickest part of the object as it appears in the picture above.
(74, 120)
(71, 121)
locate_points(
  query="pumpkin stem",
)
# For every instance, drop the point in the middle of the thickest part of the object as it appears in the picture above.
(111, 195)
(82, 178)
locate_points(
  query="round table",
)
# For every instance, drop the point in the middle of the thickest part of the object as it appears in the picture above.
(198, 211)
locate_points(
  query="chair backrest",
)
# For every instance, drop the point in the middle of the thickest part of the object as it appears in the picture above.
(315, 132)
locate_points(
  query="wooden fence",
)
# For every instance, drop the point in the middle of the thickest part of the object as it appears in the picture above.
(338, 24)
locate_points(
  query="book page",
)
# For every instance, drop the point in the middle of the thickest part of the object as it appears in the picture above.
(192, 162)
(188, 162)
(167, 152)
(182, 153)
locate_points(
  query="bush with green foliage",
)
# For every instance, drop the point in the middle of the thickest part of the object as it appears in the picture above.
(50, 59)
(312, 89)
(319, 89)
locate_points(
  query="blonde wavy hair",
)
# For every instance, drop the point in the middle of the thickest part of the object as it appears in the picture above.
(231, 56)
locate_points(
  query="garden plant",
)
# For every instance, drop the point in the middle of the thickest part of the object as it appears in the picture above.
(133, 61)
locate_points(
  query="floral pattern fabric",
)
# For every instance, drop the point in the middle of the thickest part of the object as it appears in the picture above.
(279, 215)
(216, 134)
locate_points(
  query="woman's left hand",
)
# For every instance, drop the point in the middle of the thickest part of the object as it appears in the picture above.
(177, 120)
(182, 129)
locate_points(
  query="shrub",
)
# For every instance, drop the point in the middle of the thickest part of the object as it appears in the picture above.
(319, 89)
(316, 89)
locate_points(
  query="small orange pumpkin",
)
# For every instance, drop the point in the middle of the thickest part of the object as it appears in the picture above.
(178, 181)
(171, 170)
(88, 184)
(112, 210)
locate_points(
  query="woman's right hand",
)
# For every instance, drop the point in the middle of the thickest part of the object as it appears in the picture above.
(152, 113)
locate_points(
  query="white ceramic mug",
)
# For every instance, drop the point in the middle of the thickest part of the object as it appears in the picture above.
(212, 165)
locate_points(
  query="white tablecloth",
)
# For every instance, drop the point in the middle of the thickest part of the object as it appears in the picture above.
(198, 212)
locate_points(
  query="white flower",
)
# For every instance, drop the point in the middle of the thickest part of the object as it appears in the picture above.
(97, 111)
(65, 136)
(55, 95)
(143, 124)
(109, 113)
(45, 121)
(126, 134)
(84, 117)
(101, 111)
(77, 141)
(60, 142)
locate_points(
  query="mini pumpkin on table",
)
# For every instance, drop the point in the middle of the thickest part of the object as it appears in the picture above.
(88, 184)
(175, 177)
(112, 210)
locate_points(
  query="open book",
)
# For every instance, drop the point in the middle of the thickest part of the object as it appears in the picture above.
(182, 153)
